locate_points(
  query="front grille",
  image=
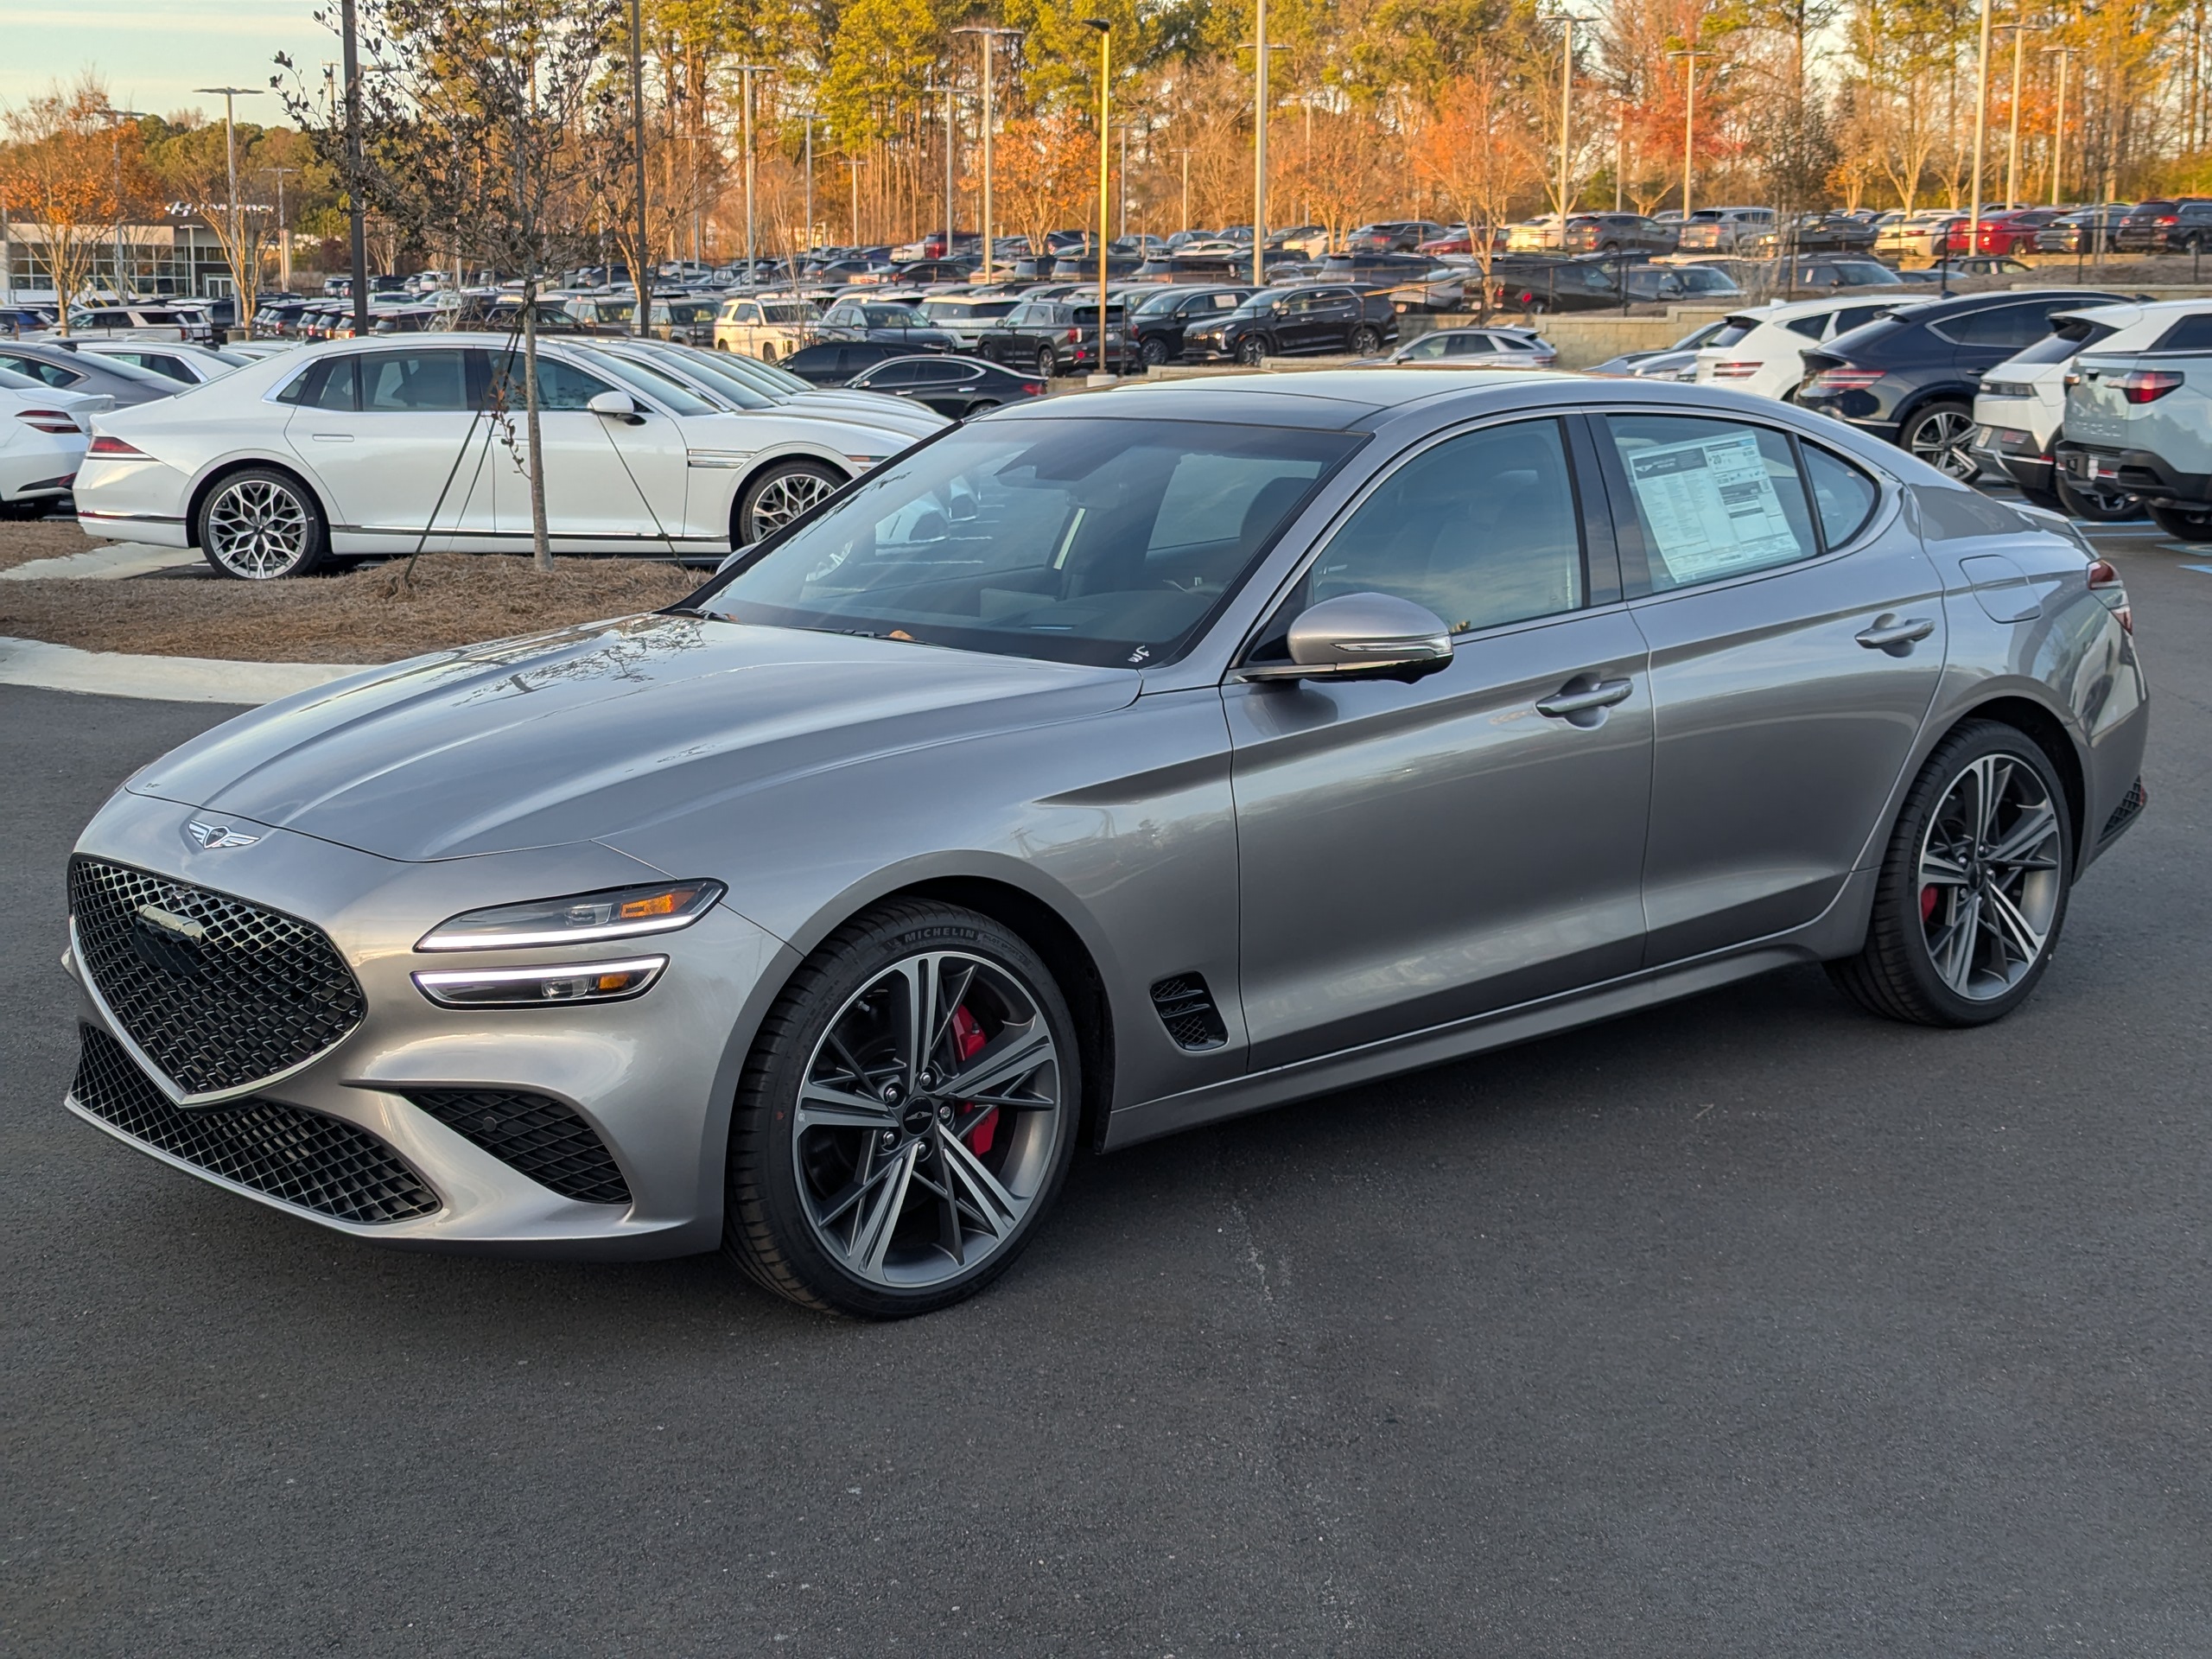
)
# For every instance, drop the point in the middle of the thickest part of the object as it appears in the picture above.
(1185, 1008)
(223, 996)
(2130, 805)
(302, 1157)
(543, 1138)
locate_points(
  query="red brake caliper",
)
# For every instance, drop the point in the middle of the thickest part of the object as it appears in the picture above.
(968, 1040)
(1929, 896)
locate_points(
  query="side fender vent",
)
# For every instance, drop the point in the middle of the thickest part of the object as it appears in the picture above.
(2129, 807)
(1185, 1008)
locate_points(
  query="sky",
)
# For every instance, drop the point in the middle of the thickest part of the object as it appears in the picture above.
(153, 52)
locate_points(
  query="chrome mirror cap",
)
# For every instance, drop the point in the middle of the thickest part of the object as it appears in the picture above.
(1361, 637)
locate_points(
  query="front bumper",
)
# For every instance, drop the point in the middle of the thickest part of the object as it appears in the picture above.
(652, 1078)
(2139, 471)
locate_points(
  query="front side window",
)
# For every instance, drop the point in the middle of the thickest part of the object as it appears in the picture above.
(1425, 351)
(1097, 540)
(1711, 498)
(560, 386)
(1481, 528)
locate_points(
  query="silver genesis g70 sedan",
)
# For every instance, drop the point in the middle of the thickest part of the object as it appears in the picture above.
(1097, 768)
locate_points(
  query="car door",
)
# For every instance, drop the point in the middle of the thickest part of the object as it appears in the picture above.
(1415, 854)
(1797, 637)
(396, 442)
(611, 484)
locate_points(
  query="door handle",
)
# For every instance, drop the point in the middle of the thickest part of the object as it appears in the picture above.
(1897, 637)
(332, 437)
(1566, 703)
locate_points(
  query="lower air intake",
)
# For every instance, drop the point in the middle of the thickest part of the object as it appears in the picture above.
(2130, 805)
(288, 1153)
(1185, 1008)
(536, 1134)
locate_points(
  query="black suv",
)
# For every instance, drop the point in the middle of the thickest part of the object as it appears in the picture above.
(1057, 336)
(1157, 321)
(1296, 322)
(1535, 285)
(882, 324)
(1619, 234)
(1392, 236)
(2149, 226)
(1911, 378)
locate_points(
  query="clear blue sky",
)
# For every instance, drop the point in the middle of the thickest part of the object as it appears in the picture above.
(153, 52)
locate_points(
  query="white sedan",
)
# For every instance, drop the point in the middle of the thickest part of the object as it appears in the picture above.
(44, 432)
(376, 448)
(1763, 352)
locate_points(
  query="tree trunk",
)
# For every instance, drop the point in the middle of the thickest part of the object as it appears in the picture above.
(540, 545)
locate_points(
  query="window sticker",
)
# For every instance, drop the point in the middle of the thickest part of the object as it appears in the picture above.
(1710, 505)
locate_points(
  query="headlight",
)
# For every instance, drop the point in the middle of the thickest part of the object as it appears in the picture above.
(580, 918)
(532, 988)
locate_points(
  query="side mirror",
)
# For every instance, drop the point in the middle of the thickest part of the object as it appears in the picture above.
(1361, 637)
(615, 405)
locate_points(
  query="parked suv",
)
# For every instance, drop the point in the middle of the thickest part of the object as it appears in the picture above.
(1392, 236)
(1057, 336)
(882, 324)
(1158, 320)
(2086, 230)
(1911, 376)
(1618, 233)
(2148, 227)
(2141, 420)
(1296, 322)
(1763, 352)
(2022, 404)
(1723, 229)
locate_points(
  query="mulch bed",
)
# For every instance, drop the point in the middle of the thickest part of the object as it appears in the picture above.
(375, 614)
(21, 541)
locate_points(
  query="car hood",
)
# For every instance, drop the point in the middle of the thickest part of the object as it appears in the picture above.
(594, 731)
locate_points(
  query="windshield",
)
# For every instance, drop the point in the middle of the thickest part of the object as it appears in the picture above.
(656, 384)
(1097, 540)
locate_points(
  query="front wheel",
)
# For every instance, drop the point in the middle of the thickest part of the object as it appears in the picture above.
(1938, 435)
(906, 1118)
(1972, 891)
(1252, 352)
(2183, 525)
(261, 524)
(1153, 350)
(781, 495)
(1365, 342)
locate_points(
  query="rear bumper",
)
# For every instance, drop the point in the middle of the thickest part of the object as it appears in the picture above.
(2014, 451)
(2136, 471)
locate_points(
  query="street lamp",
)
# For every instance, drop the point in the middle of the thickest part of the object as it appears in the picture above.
(357, 231)
(1689, 55)
(1981, 128)
(1105, 163)
(641, 266)
(989, 34)
(1260, 50)
(231, 95)
(1185, 223)
(2013, 158)
(115, 118)
(951, 207)
(284, 231)
(812, 120)
(1567, 21)
(747, 71)
(2058, 124)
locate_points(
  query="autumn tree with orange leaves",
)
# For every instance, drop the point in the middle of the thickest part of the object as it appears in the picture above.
(58, 172)
(1478, 151)
(1042, 173)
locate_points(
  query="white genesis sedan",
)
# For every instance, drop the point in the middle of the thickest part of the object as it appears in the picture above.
(371, 448)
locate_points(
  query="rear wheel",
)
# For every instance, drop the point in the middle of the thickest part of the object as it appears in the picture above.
(2036, 496)
(1046, 362)
(260, 523)
(1973, 890)
(2183, 524)
(2099, 506)
(1938, 435)
(906, 1118)
(1365, 342)
(781, 495)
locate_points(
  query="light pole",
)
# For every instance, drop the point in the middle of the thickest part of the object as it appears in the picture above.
(1689, 55)
(1105, 163)
(989, 34)
(2058, 126)
(2012, 154)
(746, 71)
(1185, 223)
(1980, 130)
(641, 264)
(357, 223)
(1260, 50)
(114, 119)
(284, 231)
(244, 300)
(812, 120)
(1565, 20)
(946, 88)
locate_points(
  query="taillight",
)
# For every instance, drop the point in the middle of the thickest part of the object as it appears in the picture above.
(2146, 386)
(1739, 370)
(106, 446)
(1075, 334)
(2169, 218)
(46, 420)
(2104, 583)
(1845, 379)
(1034, 388)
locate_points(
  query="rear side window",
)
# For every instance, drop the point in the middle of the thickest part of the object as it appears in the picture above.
(327, 385)
(2078, 336)
(2001, 325)
(1811, 328)
(1842, 495)
(2188, 334)
(1711, 498)
(414, 382)
(1733, 332)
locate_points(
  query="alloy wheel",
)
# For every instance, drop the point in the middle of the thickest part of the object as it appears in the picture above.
(257, 528)
(785, 497)
(928, 1120)
(1989, 879)
(1940, 438)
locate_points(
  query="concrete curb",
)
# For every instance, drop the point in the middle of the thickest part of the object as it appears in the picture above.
(110, 563)
(162, 679)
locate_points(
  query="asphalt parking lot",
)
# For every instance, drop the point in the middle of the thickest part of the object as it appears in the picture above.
(1752, 1326)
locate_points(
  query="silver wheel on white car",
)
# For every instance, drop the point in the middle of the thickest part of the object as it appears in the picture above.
(260, 523)
(783, 493)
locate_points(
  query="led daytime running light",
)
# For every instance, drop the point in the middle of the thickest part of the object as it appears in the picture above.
(554, 985)
(578, 919)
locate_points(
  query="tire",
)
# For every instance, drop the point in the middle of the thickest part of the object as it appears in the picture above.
(780, 494)
(2035, 497)
(2183, 525)
(1938, 434)
(1365, 342)
(978, 407)
(259, 524)
(1938, 878)
(845, 1213)
(1048, 364)
(2098, 507)
(1252, 352)
(1153, 350)
(37, 507)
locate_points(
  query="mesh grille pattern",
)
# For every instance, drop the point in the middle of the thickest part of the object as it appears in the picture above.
(226, 994)
(2136, 799)
(1185, 1008)
(288, 1152)
(542, 1137)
